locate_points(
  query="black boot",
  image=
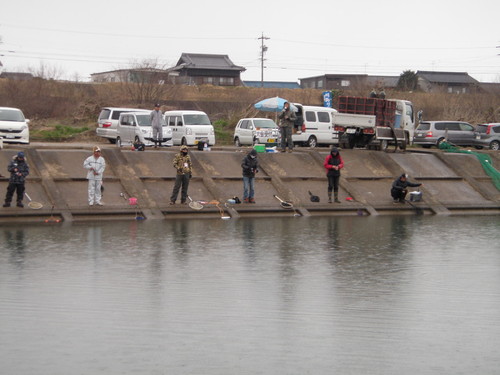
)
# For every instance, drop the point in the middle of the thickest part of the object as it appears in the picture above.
(6, 204)
(336, 197)
(329, 197)
(20, 204)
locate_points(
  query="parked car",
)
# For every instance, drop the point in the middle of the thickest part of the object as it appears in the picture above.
(135, 127)
(108, 121)
(314, 126)
(250, 131)
(190, 127)
(14, 126)
(488, 135)
(432, 133)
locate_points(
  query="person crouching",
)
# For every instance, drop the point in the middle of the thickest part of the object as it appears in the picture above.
(399, 188)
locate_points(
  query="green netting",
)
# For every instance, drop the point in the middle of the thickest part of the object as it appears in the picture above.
(484, 159)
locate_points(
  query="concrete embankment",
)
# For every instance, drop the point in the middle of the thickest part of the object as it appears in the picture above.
(453, 184)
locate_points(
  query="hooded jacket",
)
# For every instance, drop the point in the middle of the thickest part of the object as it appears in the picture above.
(18, 169)
(333, 159)
(250, 165)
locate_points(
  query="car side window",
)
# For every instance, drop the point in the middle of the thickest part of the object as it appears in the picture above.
(116, 114)
(310, 116)
(452, 126)
(440, 126)
(323, 117)
(466, 127)
(171, 120)
(496, 129)
(179, 121)
(244, 124)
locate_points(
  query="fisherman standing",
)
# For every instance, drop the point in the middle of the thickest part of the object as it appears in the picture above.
(157, 125)
(250, 167)
(333, 164)
(184, 168)
(19, 170)
(95, 166)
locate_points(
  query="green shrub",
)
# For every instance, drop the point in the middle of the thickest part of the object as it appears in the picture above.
(223, 132)
(58, 133)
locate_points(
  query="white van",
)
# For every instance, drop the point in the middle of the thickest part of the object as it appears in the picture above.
(190, 127)
(314, 126)
(108, 121)
(135, 127)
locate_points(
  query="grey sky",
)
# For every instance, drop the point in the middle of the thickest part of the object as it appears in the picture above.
(307, 38)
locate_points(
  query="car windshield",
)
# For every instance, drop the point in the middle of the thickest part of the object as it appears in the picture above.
(196, 120)
(269, 124)
(11, 115)
(144, 120)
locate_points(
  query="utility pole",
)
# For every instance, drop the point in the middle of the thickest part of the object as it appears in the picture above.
(263, 50)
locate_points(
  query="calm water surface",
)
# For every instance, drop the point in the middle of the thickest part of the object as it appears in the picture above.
(388, 295)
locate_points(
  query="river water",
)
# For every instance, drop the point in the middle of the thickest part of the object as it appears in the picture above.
(350, 295)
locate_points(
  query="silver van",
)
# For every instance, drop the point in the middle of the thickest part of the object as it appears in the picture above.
(135, 127)
(432, 133)
(314, 126)
(108, 121)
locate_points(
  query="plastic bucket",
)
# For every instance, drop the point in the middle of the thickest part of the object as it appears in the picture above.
(260, 148)
(132, 201)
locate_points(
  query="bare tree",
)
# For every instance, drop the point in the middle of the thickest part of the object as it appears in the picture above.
(145, 82)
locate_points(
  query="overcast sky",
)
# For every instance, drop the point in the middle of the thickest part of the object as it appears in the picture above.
(307, 38)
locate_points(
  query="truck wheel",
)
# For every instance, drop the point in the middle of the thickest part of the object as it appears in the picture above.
(439, 141)
(495, 145)
(402, 145)
(118, 142)
(237, 142)
(312, 141)
(384, 144)
(183, 142)
(112, 141)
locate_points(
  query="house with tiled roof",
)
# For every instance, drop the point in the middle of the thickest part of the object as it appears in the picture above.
(451, 82)
(206, 69)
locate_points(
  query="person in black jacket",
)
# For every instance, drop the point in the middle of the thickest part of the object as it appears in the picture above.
(250, 167)
(18, 169)
(399, 188)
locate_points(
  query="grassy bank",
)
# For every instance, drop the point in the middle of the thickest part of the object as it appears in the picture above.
(66, 111)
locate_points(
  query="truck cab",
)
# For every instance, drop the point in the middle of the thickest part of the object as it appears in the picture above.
(405, 118)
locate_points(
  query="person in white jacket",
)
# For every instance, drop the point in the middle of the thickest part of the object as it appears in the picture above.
(95, 165)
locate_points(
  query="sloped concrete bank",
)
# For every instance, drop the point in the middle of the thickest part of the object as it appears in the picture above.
(453, 184)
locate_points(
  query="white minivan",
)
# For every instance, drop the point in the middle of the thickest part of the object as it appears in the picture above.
(314, 126)
(108, 121)
(190, 127)
(135, 127)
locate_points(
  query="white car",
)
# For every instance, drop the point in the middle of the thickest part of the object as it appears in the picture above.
(13, 126)
(135, 127)
(251, 131)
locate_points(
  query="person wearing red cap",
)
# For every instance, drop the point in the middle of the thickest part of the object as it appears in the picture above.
(19, 169)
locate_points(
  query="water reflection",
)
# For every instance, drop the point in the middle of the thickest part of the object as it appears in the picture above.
(359, 294)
